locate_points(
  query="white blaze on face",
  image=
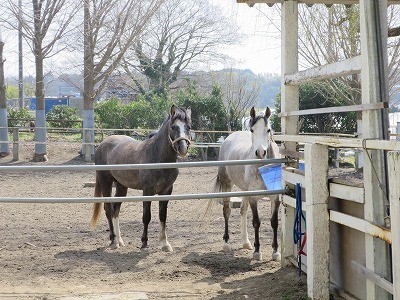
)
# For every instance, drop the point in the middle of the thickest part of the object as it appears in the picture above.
(182, 146)
(259, 138)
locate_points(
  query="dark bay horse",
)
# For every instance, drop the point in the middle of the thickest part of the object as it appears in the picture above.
(171, 140)
(256, 143)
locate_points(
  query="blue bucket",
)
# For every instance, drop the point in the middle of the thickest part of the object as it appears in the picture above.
(272, 175)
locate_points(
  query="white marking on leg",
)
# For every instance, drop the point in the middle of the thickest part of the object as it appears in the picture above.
(243, 212)
(117, 232)
(165, 246)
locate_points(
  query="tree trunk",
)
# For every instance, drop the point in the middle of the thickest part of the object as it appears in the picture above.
(88, 87)
(40, 126)
(4, 147)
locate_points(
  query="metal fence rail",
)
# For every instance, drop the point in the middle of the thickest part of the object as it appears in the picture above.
(143, 166)
(140, 198)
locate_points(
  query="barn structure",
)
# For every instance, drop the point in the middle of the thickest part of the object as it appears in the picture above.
(353, 232)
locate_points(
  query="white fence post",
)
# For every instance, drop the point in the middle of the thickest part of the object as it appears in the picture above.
(290, 102)
(394, 183)
(316, 181)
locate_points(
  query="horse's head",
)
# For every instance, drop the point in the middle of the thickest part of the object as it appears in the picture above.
(260, 128)
(179, 129)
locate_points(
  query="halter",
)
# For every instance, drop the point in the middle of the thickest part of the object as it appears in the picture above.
(173, 142)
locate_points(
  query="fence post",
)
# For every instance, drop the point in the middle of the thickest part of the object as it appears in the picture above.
(15, 143)
(394, 196)
(88, 152)
(316, 181)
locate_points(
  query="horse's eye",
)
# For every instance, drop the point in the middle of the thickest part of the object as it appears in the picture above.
(269, 130)
(251, 130)
(174, 127)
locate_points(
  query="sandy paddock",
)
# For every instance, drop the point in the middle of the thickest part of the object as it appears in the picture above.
(49, 251)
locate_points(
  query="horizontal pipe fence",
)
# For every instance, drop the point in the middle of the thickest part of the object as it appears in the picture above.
(141, 167)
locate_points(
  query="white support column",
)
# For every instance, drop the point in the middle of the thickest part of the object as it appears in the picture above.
(394, 183)
(373, 31)
(290, 102)
(316, 176)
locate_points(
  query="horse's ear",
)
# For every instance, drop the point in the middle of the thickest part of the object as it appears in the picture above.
(252, 113)
(173, 110)
(267, 112)
(189, 112)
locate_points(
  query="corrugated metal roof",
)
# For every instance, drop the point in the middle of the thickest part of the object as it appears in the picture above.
(329, 2)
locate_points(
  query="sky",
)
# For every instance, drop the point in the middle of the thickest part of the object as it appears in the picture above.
(260, 24)
(259, 51)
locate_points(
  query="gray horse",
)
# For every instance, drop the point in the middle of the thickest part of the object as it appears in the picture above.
(171, 140)
(256, 143)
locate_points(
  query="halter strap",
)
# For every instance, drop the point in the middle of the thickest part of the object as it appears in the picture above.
(173, 142)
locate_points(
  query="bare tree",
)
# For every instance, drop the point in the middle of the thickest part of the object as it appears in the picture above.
(181, 34)
(110, 28)
(239, 94)
(4, 147)
(43, 24)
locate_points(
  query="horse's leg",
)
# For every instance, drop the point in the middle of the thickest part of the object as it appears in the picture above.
(163, 206)
(121, 191)
(227, 212)
(275, 203)
(256, 224)
(243, 212)
(146, 218)
(106, 180)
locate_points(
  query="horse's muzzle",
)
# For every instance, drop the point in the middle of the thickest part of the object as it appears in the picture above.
(181, 145)
(261, 154)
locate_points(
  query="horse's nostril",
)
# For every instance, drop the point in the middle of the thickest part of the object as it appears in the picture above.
(256, 152)
(265, 152)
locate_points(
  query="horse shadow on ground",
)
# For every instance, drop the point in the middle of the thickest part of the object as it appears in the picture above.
(221, 265)
(117, 262)
(282, 284)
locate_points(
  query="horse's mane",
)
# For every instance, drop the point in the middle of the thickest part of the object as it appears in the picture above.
(257, 117)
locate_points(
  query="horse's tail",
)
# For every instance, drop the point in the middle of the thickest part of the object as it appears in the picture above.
(97, 207)
(210, 204)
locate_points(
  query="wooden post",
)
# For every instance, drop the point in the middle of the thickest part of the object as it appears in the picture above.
(373, 33)
(290, 102)
(316, 181)
(394, 183)
(15, 143)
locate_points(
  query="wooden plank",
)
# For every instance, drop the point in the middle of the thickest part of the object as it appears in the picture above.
(290, 201)
(337, 69)
(290, 176)
(289, 102)
(372, 144)
(361, 225)
(329, 2)
(291, 154)
(337, 109)
(394, 197)
(345, 192)
(318, 235)
(378, 280)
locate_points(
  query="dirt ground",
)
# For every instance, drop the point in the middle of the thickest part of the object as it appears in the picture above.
(49, 251)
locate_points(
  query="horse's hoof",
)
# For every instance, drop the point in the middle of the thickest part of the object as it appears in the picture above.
(114, 246)
(247, 245)
(276, 256)
(227, 247)
(121, 243)
(257, 255)
(144, 249)
(167, 248)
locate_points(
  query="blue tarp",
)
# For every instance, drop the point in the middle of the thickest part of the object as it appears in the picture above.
(49, 103)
